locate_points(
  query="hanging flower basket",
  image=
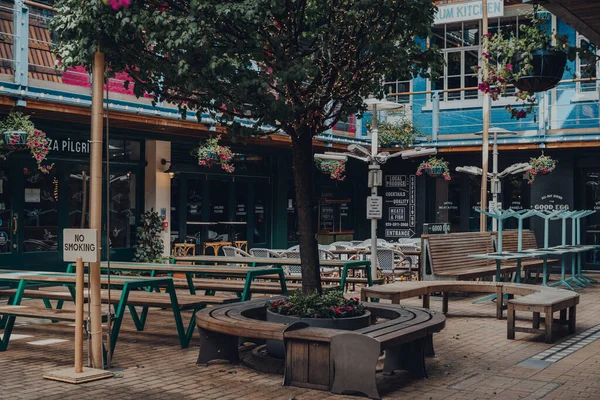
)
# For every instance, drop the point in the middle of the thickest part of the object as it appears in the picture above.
(397, 134)
(19, 133)
(211, 153)
(334, 168)
(541, 165)
(435, 167)
(533, 62)
(547, 67)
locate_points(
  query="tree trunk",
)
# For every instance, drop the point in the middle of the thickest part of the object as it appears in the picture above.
(302, 163)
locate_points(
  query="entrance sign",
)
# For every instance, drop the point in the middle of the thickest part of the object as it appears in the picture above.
(374, 207)
(400, 213)
(465, 11)
(80, 243)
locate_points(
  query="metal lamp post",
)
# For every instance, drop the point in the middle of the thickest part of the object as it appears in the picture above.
(494, 181)
(374, 105)
(375, 159)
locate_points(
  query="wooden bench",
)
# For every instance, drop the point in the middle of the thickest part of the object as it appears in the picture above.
(446, 257)
(325, 359)
(537, 299)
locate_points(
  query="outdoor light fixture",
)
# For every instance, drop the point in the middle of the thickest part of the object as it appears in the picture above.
(169, 170)
(420, 152)
(330, 156)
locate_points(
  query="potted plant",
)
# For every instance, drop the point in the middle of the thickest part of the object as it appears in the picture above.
(149, 244)
(19, 133)
(541, 165)
(211, 153)
(335, 168)
(398, 134)
(533, 62)
(329, 310)
(435, 167)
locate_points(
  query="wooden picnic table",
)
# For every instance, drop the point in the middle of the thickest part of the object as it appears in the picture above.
(343, 265)
(248, 274)
(25, 278)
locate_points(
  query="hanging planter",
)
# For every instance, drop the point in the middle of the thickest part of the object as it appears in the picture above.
(547, 67)
(435, 167)
(19, 133)
(397, 134)
(541, 165)
(334, 168)
(534, 62)
(211, 153)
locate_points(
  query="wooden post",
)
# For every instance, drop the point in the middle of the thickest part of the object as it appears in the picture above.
(96, 206)
(486, 124)
(79, 316)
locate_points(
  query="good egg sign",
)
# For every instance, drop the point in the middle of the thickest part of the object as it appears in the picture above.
(80, 243)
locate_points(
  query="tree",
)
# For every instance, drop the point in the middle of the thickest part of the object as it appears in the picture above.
(291, 66)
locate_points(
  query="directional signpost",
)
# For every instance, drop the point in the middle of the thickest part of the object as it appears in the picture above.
(79, 246)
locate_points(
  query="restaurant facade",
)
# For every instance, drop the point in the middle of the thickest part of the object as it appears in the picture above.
(150, 165)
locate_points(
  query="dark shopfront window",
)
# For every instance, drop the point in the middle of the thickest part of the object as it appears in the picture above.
(591, 225)
(219, 209)
(40, 219)
(122, 208)
(79, 189)
(447, 203)
(261, 196)
(292, 215)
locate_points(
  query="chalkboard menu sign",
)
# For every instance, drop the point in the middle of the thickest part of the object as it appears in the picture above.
(334, 215)
(399, 206)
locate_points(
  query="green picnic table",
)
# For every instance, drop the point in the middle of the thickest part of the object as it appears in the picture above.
(248, 274)
(22, 279)
(343, 265)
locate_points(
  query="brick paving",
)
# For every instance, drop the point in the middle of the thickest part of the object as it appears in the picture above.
(474, 361)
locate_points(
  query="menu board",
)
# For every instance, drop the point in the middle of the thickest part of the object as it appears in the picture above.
(399, 206)
(327, 217)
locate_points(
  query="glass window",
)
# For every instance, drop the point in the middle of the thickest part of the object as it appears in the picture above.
(460, 43)
(219, 210)
(79, 187)
(5, 212)
(122, 209)
(40, 219)
(471, 34)
(454, 36)
(124, 150)
(591, 224)
(585, 68)
(241, 210)
(292, 216)
(260, 213)
(175, 211)
(193, 211)
(447, 196)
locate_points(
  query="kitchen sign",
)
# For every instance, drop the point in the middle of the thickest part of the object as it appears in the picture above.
(465, 11)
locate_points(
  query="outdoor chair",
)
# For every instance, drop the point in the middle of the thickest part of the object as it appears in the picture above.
(264, 253)
(340, 245)
(390, 261)
(231, 251)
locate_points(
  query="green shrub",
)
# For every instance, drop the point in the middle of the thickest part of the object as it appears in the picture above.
(331, 304)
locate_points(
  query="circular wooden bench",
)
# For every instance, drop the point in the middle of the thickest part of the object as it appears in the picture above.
(536, 299)
(326, 359)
